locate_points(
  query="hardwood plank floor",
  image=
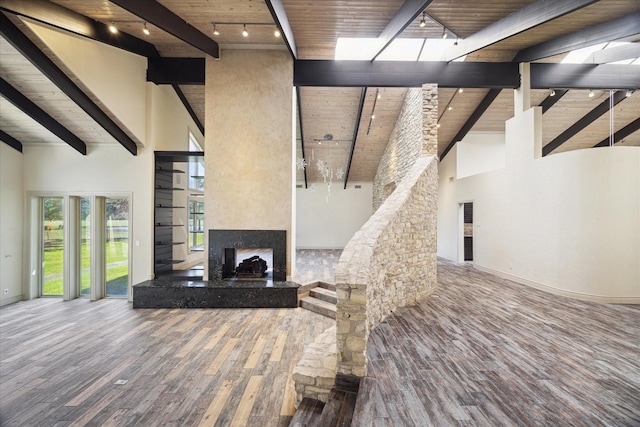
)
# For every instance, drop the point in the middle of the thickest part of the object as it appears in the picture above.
(60, 361)
(483, 351)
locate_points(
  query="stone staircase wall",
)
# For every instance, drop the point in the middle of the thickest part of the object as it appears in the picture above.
(315, 374)
(391, 261)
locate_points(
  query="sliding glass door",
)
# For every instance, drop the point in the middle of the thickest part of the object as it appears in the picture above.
(79, 246)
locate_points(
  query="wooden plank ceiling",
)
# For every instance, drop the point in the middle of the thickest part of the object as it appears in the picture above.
(329, 115)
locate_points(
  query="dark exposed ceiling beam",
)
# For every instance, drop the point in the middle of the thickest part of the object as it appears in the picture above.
(632, 127)
(187, 106)
(409, 10)
(280, 17)
(528, 17)
(182, 71)
(10, 141)
(158, 15)
(14, 96)
(549, 101)
(615, 54)
(405, 74)
(68, 20)
(616, 29)
(584, 76)
(299, 102)
(30, 51)
(585, 121)
(472, 120)
(363, 96)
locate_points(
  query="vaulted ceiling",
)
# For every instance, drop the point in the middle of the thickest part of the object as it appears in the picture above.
(335, 122)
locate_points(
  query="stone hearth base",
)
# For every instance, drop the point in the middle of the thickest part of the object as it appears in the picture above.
(171, 293)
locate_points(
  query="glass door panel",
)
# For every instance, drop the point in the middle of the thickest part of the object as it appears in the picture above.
(117, 247)
(52, 245)
(85, 247)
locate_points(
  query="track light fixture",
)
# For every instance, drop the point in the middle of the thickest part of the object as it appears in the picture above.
(112, 28)
(460, 90)
(277, 33)
(444, 32)
(145, 30)
(591, 93)
(629, 92)
(455, 43)
(423, 22)
(552, 92)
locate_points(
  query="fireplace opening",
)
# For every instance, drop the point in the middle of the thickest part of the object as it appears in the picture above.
(248, 263)
(229, 248)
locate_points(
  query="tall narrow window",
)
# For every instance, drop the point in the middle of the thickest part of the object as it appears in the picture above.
(85, 247)
(196, 197)
(117, 246)
(52, 246)
(196, 224)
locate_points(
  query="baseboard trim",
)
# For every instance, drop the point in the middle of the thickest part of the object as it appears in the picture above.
(320, 247)
(561, 292)
(11, 300)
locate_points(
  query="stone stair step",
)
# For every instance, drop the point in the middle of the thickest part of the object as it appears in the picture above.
(330, 286)
(318, 306)
(324, 294)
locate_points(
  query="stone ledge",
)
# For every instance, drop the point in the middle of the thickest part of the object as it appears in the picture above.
(315, 374)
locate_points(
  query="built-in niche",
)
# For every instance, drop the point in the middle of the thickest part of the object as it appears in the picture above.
(468, 231)
(178, 211)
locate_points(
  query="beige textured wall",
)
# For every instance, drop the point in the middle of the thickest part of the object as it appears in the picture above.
(248, 142)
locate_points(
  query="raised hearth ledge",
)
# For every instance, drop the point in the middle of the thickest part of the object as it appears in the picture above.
(171, 293)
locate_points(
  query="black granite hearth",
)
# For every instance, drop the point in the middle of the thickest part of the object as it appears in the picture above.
(234, 293)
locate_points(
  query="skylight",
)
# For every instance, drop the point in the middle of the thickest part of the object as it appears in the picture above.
(580, 56)
(401, 49)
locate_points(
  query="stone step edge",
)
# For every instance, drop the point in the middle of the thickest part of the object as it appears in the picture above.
(315, 374)
(324, 295)
(319, 306)
(317, 284)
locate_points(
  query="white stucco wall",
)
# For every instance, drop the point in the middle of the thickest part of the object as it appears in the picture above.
(567, 223)
(155, 114)
(11, 224)
(480, 152)
(116, 77)
(330, 224)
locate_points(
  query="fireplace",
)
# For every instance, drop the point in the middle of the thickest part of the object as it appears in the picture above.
(228, 248)
(224, 289)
